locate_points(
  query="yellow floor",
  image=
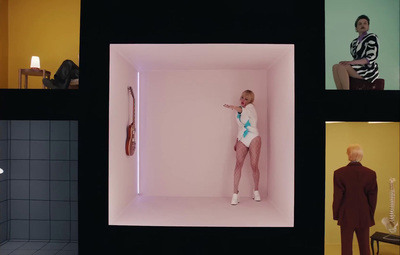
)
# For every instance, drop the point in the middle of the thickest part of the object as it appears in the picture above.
(384, 249)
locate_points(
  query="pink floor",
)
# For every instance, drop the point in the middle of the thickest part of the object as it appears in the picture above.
(200, 211)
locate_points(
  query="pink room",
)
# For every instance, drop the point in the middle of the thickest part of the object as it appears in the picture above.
(181, 171)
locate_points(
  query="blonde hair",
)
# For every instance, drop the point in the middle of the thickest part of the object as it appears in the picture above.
(355, 152)
(249, 95)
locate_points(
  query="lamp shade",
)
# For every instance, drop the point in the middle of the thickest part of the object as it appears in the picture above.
(35, 62)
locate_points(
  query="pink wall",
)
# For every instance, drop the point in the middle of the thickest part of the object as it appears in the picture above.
(188, 137)
(280, 99)
(122, 174)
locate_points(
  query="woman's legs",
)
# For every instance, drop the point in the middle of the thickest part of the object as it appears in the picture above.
(341, 75)
(254, 151)
(241, 152)
(352, 72)
(336, 77)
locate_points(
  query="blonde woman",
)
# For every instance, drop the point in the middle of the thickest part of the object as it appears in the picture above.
(247, 141)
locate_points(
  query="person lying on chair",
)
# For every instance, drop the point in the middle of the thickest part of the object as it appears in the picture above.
(62, 78)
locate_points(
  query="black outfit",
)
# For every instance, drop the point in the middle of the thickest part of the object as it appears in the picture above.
(67, 71)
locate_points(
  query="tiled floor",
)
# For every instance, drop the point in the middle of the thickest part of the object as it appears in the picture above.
(38, 248)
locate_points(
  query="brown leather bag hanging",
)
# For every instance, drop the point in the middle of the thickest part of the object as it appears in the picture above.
(130, 144)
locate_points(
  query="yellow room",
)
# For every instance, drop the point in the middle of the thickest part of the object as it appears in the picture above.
(380, 143)
(48, 29)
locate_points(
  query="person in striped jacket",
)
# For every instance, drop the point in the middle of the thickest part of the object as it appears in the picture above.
(364, 50)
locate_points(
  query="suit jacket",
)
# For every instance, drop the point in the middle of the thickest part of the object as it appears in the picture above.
(354, 197)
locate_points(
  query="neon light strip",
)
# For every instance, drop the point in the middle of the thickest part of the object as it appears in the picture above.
(379, 122)
(137, 134)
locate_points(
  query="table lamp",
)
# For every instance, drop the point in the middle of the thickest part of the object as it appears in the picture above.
(35, 62)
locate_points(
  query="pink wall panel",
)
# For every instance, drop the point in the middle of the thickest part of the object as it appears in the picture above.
(122, 174)
(187, 137)
(281, 138)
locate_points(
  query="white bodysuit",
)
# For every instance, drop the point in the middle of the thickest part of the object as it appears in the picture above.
(247, 123)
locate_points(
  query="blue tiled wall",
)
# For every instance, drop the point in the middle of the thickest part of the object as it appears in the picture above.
(43, 167)
(4, 182)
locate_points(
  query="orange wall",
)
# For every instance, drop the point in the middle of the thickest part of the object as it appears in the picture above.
(45, 28)
(3, 43)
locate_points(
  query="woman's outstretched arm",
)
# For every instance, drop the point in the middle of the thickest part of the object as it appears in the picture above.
(233, 107)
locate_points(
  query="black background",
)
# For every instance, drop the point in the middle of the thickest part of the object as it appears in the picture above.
(279, 22)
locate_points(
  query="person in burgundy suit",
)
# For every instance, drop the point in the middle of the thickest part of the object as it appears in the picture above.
(354, 201)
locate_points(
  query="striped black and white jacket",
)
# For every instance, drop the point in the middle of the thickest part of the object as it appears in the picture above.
(366, 46)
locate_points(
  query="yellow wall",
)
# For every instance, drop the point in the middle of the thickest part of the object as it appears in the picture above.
(45, 28)
(381, 145)
(3, 43)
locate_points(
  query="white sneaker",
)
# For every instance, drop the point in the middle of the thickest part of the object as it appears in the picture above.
(256, 196)
(235, 199)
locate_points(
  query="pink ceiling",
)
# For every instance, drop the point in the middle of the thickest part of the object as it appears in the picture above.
(201, 56)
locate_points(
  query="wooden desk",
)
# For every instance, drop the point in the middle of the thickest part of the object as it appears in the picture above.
(31, 72)
(383, 237)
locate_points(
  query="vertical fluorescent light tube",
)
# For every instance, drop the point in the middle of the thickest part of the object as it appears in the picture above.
(137, 134)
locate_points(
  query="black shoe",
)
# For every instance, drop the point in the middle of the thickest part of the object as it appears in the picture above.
(49, 83)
